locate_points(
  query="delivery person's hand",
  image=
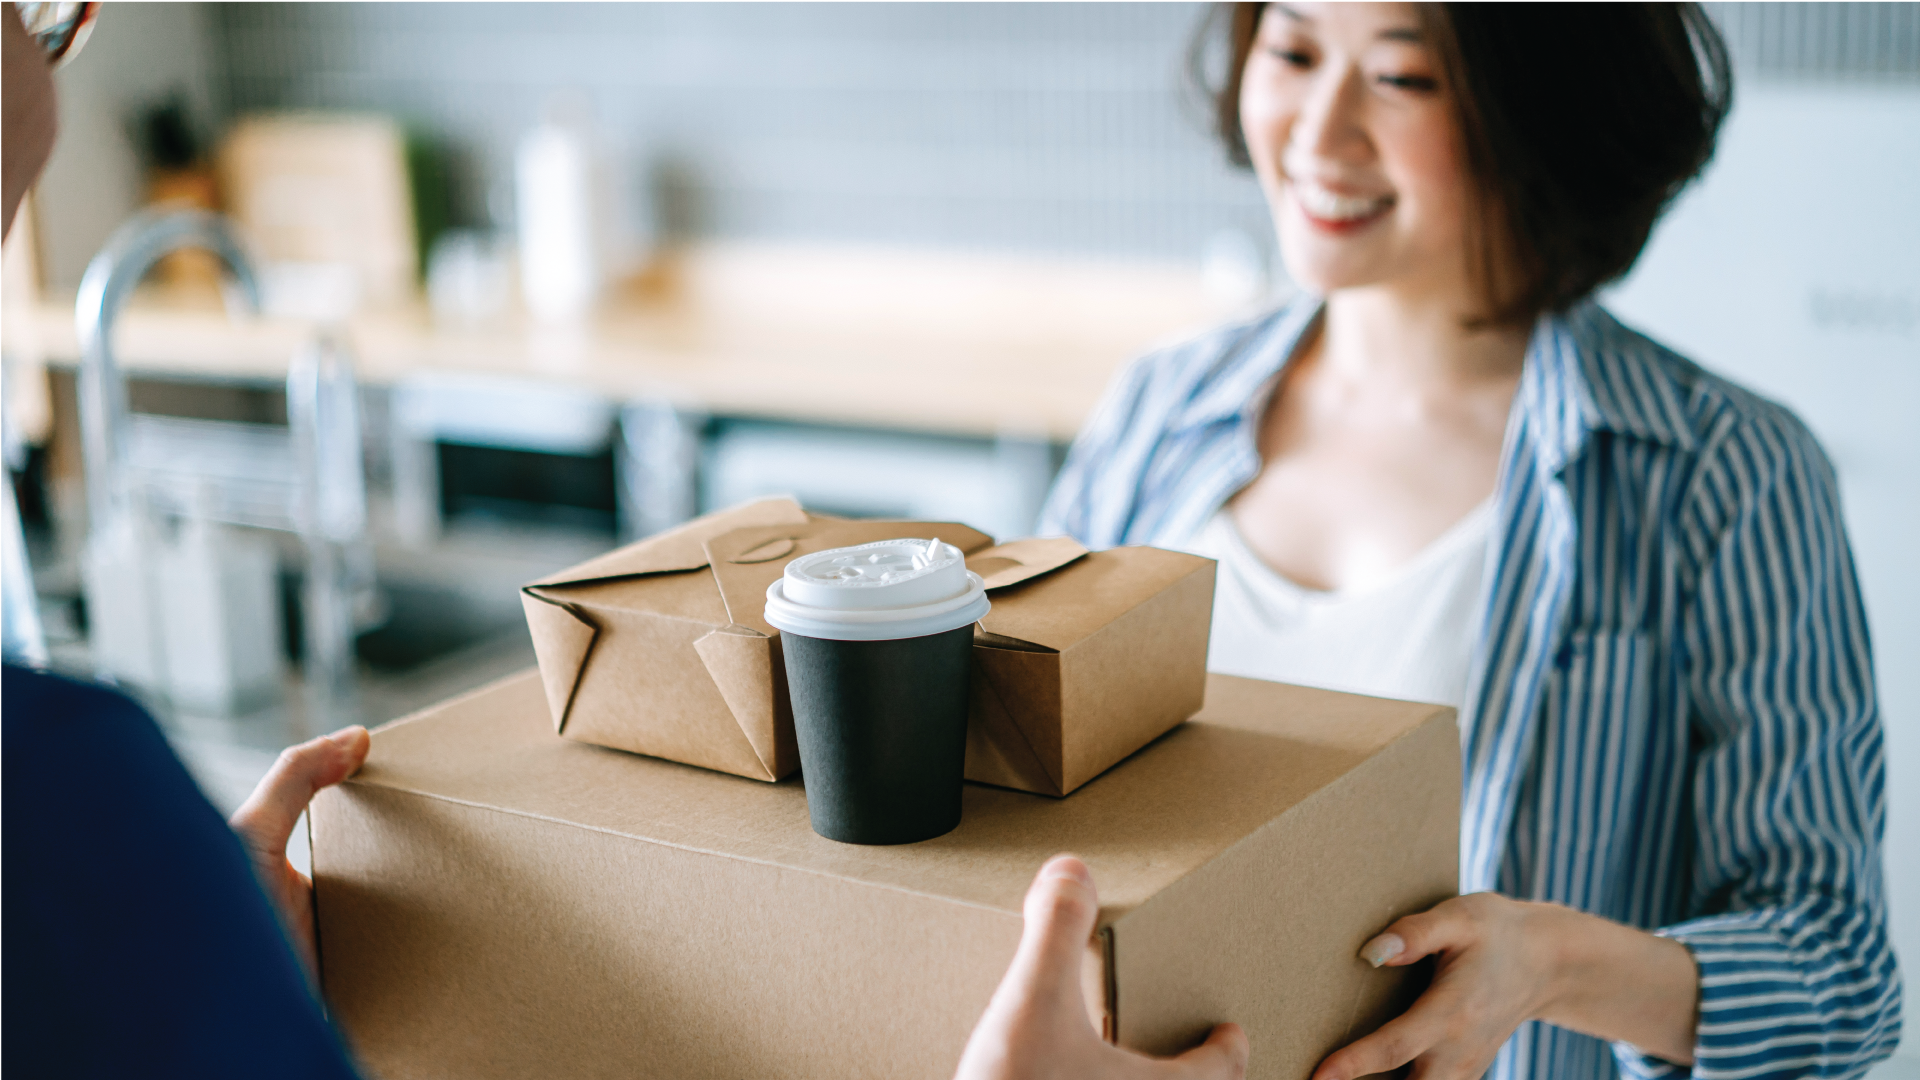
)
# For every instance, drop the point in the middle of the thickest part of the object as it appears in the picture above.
(1500, 962)
(265, 822)
(1036, 1026)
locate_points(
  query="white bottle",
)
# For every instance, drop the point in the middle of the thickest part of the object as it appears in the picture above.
(555, 188)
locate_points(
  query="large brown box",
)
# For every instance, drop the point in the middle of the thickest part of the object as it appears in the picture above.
(497, 902)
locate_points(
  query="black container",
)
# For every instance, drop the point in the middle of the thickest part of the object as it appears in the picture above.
(882, 727)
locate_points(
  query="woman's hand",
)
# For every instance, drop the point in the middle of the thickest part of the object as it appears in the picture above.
(1502, 962)
(265, 823)
(1036, 1026)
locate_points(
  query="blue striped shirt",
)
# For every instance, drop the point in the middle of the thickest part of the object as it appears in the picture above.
(1671, 720)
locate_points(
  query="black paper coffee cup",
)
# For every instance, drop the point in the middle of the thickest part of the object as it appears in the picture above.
(878, 641)
(882, 727)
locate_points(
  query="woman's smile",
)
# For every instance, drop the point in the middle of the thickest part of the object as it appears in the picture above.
(1333, 212)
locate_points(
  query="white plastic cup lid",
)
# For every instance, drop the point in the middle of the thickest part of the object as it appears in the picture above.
(881, 591)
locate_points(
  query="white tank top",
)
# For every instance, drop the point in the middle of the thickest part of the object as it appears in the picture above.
(1410, 636)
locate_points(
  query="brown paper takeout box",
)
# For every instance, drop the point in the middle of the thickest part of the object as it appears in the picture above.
(1084, 658)
(663, 648)
(497, 902)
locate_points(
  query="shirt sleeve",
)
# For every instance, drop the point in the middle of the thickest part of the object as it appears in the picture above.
(139, 942)
(1797, 974)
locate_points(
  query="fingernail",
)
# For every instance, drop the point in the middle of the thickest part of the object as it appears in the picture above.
(1070, 867)
(346, 736)
(1382, 949)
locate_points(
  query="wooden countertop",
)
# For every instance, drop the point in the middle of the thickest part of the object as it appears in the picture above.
(966, 344)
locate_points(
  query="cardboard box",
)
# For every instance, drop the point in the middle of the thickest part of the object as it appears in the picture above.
(496, 902)
(663, 648)
(1085, 658)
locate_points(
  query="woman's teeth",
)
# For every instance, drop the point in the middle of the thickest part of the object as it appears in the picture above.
(1327, 206)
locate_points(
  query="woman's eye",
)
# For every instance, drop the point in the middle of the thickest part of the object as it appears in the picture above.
(1420, 84)
(1292, 58)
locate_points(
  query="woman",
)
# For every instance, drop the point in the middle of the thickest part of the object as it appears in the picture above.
(1447, 474)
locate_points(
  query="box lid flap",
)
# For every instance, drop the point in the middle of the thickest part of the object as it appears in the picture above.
(1022, 560)
(1252, 754)
(562, 638)
(746, 561)
(1061, 608)
(742, 665)
(677, 549)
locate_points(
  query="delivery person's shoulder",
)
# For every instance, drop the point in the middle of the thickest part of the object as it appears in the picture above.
(44, 709)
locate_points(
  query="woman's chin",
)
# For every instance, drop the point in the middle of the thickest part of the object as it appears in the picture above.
(1321, 279)
(1321, 265)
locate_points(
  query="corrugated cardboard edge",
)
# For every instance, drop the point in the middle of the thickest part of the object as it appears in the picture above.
(563, 637)
(1108, 987)
(743, 666)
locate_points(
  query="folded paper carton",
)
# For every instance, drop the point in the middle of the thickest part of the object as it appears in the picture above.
(497, 902)
(1085, 658)
(663, 647)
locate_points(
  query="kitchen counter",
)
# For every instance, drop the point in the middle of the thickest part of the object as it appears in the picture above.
(937, 342)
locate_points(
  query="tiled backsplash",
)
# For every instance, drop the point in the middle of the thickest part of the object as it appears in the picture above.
(1054, 128)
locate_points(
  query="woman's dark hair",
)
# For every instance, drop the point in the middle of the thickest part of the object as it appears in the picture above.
(1581, 122)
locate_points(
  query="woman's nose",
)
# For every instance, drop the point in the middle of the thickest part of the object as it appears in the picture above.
(1329, 125)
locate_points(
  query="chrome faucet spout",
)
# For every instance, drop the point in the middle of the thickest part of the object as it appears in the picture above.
(110, 278)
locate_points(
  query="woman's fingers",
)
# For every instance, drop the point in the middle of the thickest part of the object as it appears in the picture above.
(267, 818)
(1436, 1020)
(1448, 925)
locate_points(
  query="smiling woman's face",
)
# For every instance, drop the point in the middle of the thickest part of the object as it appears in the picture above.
(1352, 133)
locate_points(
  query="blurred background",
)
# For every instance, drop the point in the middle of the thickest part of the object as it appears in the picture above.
(535, 279)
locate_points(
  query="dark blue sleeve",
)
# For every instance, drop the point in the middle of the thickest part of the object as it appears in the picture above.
(137, 940)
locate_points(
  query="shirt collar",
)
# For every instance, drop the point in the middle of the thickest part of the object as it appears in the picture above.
(1585, 373)
(1233, 391)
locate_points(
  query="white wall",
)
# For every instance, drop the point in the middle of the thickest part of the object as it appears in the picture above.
(139, 54)
(1794, 267)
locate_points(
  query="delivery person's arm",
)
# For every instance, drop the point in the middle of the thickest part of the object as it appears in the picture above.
(138, 943)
